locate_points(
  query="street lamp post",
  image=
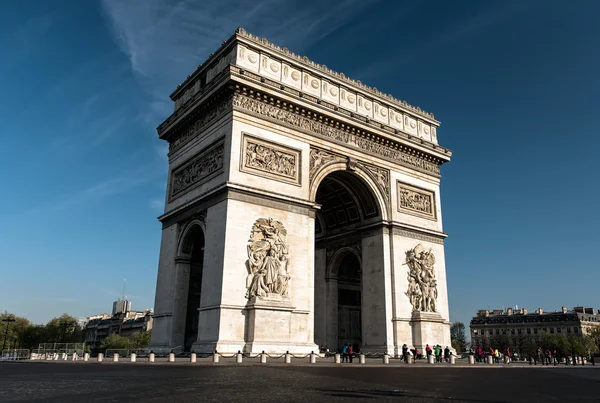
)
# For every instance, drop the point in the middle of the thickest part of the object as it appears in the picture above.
(8, 320)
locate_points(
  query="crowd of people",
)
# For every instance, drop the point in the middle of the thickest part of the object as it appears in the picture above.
(541, 356)
(348, 351)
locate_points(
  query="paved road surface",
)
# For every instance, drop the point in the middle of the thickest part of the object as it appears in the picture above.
(93, 382)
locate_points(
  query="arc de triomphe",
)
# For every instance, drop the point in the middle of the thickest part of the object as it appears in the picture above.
(302, 211)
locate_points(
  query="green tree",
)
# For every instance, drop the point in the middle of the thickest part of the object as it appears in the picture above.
(593, 338)
(114, 341)
(458, 336)
(134, 342)
(63, 329)
(12, 339)
(578, 347)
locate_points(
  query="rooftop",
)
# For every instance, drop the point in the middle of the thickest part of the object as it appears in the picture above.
(303, 60)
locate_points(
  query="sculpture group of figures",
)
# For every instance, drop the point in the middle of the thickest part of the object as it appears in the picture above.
(415, 201)
(268, 254)
(422, 286)
(270, 160)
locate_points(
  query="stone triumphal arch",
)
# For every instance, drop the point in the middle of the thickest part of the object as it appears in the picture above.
(302, 211)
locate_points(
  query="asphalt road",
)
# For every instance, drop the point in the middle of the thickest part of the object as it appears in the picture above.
(92, 382)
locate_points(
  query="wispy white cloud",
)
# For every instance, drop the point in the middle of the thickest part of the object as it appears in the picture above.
(166, 40)
(102, 189)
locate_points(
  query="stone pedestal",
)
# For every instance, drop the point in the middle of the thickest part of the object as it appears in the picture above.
(429, 328)
(269, 324)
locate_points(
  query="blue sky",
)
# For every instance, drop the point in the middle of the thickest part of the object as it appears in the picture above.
(84, 85)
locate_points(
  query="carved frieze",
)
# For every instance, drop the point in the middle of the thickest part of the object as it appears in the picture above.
(422, 285)
(268, 256)
(197, 170)
(313, 127)
(418, 235)
(319, 159)
(416, 201)
(211, 116)
(270, 160)
(381, 177)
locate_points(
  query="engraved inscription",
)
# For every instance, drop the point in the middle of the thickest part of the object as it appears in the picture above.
(416, 201)
(197, 170)
(270, 160)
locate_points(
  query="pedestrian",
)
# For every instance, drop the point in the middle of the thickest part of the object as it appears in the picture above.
(427, 351)
(447, 354)
(405, 353)
(345, 353)
(438, 353)
(350, 352)
(507, 354)
(496, 356)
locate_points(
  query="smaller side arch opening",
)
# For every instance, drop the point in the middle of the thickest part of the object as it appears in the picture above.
(192, 252)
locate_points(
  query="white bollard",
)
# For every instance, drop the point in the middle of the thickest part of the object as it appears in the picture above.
(193, 357)
(471, 359)
(288, 358)
(151, 357)
(452, 359)
(410, 359)
(64, 356)
(239, 357)
(490, 359)
(133, 357)
(86, 357)
(100, 357)
(386, 359)
(263, 358)
(313, 358)
(215, 357)
(431, 359)
(338, 359)
(171, 357)
(74, 357)
(361, 358)
(116, 357)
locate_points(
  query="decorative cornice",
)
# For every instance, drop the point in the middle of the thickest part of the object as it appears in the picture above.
(315, 124)
(303, 60)
(417, 235)
(322, 68)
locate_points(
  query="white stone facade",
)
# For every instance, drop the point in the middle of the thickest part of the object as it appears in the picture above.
(350, 174)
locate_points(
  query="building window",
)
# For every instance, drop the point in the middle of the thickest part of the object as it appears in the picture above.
(497, 331)
(512, 331)
(475, 331)
(552, 330)
(519, 331)
(575, 330)
(558, 330)
(503, 331)
(568, 330)
(528, 330)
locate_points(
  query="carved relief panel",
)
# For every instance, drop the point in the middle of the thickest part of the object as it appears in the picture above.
(270, 160)
(416, 201)
(197, 170)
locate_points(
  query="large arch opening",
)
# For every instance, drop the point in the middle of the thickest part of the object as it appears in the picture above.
(193, 248)
(347, 205)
